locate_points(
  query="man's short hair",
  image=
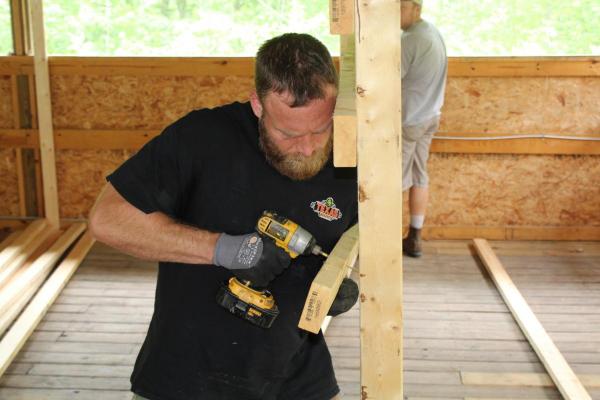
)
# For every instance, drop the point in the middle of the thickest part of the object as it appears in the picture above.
(295, 63)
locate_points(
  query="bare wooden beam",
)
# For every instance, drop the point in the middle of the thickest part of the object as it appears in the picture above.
(344, 117)
(16, 247)
(44, 108)
(20, 27)
(344, 141)
(563, 376)
(15, 338)
(326, 284)
(341, 17)
(41, 267)
(513, 232)
(520, 379)
(9, 270)
(244, 66)
(9, 239)
(7, 317)
(379, 117)
(524, 66)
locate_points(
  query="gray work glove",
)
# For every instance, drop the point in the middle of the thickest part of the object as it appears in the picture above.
(250, 258)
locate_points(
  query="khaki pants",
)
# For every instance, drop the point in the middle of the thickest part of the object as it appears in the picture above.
(416, 141)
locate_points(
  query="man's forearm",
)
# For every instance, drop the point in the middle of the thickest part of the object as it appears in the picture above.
(155, 236)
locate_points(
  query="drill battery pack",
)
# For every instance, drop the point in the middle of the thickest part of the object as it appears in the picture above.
(256, 307)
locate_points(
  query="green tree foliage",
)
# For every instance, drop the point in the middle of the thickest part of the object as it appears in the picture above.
(238, 27)
(179, 27)
(6, 43)
(517, 27)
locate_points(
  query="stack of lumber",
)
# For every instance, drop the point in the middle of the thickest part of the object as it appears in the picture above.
(35, 265)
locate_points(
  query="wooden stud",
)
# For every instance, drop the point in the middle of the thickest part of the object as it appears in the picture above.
(16, 110)
(519, 379)
(23, 297)
(9, 239)
(523, 66)
(517, 145)
(44, 108)
(344, 141)
(563, 376)
(513, 232)
(20, 27)
(9, 270)
(379, 117)
(326, 284)
(179, 66)
(41, 267)
(15, 338)
(344, 117)
(12, 251)
(341, 17)
(244, 66)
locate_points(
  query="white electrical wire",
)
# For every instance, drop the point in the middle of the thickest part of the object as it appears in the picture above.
(529, 136)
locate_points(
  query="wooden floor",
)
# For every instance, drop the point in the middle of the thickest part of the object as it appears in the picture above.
(455, 322)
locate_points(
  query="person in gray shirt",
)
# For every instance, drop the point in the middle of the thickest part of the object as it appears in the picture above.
(424, 71)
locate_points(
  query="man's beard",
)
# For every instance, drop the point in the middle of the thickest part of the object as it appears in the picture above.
(295, 166)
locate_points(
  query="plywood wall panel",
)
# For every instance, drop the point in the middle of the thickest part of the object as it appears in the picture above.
(9, 192)
(81, 175)
(144, 102)
(6, 112)
(522, 105)
(514, 190)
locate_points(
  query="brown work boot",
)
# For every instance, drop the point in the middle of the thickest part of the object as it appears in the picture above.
(411, 245)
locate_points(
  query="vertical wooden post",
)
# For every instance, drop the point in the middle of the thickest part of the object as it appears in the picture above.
(44, 108)
(379, 118)
(28, 176)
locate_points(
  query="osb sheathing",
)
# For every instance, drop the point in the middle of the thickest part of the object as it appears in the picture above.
(81, 176)
(567, 106)
(9, 192)
(144, 102)
(6, 112)
(488, 190)
(514, 190)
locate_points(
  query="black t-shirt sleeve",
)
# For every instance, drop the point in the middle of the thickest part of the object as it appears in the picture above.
(157, 176)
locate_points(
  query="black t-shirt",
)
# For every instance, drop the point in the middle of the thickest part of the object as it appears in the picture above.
(207, 170)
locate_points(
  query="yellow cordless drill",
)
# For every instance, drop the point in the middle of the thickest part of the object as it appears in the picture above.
(258, 306)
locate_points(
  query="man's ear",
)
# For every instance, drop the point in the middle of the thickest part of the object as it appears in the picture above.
(256, 105)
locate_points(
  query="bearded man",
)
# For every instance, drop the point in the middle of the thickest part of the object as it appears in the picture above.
(190, 199)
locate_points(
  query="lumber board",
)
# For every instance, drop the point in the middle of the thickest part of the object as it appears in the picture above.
(15, 338)
(44, 110)
(244, 66)
(379, 155)
(9, 270)
(40, 267)
(520, 379)
(326, 284)
(344, 116)
(566, 233)
(9, 239)
(344, 138)
(20, 243)
(341, 17)
(23, 297)
(7, 393)
(563, 376)
(329, 318)
(15, 309)
(524, 66)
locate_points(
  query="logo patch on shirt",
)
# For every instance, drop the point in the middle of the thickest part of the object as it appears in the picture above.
(326, 209)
